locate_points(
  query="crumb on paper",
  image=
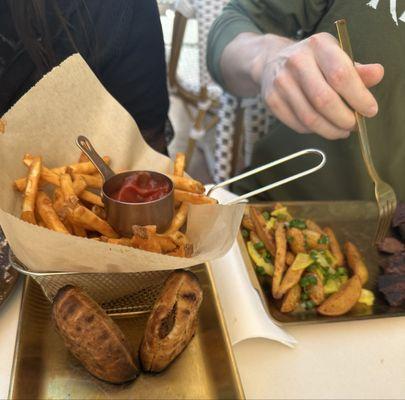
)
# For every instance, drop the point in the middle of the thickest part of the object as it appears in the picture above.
(2, 125)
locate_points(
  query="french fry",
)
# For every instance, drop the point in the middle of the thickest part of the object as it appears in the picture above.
(279, 261)
(79, 184)
(316, 292)
(91, 198)
(48, 213)
(312, 240)
(289, 258)
(85, 167)
(291, 299)
(187, 184)
(148, 233)
(193, 198)
(247, 223)
(93, 181)
(47, 176)
(179, 238)
(355, 261)
(179, 164)
(146, 244)
(265, 235)
(296, 240)
(342, 301)
(2, 126)
(99, 211)
(83, 158)
(335, 247)
(31, 190)
(121, 241)
(27, 160)
(69, 195)
(179, 218)
(313, 226)
(79, 230)
(182, 251)
(291, 278)
(82, 216)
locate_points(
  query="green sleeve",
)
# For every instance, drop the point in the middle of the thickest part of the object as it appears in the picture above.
(281, 17)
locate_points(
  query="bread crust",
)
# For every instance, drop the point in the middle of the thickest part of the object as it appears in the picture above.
(92, 336)
(172, 322)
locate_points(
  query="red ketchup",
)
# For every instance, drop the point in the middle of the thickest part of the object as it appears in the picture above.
(141, 187)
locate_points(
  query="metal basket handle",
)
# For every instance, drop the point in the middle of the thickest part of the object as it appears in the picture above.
(268, 166)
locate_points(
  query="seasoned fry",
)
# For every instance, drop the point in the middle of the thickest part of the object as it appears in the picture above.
(121, 241)
(79, 184)
(335, 247)
(88, 220)
(355, 261)
(279, 262)
(289, 258)
(148, 233)
(48, 214)
(59, 203)
(146, 244)
(193, 198)
(187, 184)
(69, 195)
(182, 251)
(179, 218)
(83, 158)
(99, 211)
(291, 299)
(179, 164)
(91, 198)
(2, 126)
(341, 302)
(85, 167)
(296, 240)
(313, 240)
(92, 181)
(265, 235)
(31, 190)
(313, 226)
(291, 278)
(316, 292)
(247, 223)
(79, 230)
(179, 238)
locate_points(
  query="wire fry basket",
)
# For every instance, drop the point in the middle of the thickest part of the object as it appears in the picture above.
(126, 293)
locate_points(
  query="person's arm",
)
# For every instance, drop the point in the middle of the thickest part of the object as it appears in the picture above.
(305, 84)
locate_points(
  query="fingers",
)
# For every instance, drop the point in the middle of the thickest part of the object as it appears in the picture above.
(321, 95)
(342, 76)
(306, 114)
(283, 112)
(370, 74)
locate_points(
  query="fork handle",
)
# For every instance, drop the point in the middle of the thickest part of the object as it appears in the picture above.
(345, 45)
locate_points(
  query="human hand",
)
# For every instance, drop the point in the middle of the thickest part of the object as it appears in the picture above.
(306, 85)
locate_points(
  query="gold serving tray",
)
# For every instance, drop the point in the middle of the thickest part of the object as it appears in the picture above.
(351, 220)
(44, 369)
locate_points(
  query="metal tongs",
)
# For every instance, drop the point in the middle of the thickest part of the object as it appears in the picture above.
(268, 166)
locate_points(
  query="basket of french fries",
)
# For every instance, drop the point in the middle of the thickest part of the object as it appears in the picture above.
(53, 215)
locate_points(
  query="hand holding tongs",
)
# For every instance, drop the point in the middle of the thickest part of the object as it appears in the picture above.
(268, 166)
(384, 193)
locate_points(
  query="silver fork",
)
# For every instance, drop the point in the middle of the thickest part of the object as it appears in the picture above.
(384, 193)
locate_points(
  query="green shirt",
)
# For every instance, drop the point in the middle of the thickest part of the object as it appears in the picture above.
(378, 36)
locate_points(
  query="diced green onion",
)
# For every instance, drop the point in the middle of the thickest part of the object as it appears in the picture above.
(304, 296)
(324, 239)
(297, 223)
(245, 233)
(290, 239)
(341, 271)
(259, 245)
(312, 279)
(260, 271)
(266, 215)
(309, 304)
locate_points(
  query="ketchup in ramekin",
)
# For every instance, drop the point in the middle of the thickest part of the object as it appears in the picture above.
(142, 187)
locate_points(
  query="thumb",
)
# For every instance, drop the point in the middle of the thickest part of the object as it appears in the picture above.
(371, 74)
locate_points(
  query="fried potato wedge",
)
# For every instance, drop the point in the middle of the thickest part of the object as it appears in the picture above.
(316, 292)
(291, 299)
(279, 261)
(296, 240)
(265, 235)
(341, 302)
(335, 247)
(291, 278)
(355, 261)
